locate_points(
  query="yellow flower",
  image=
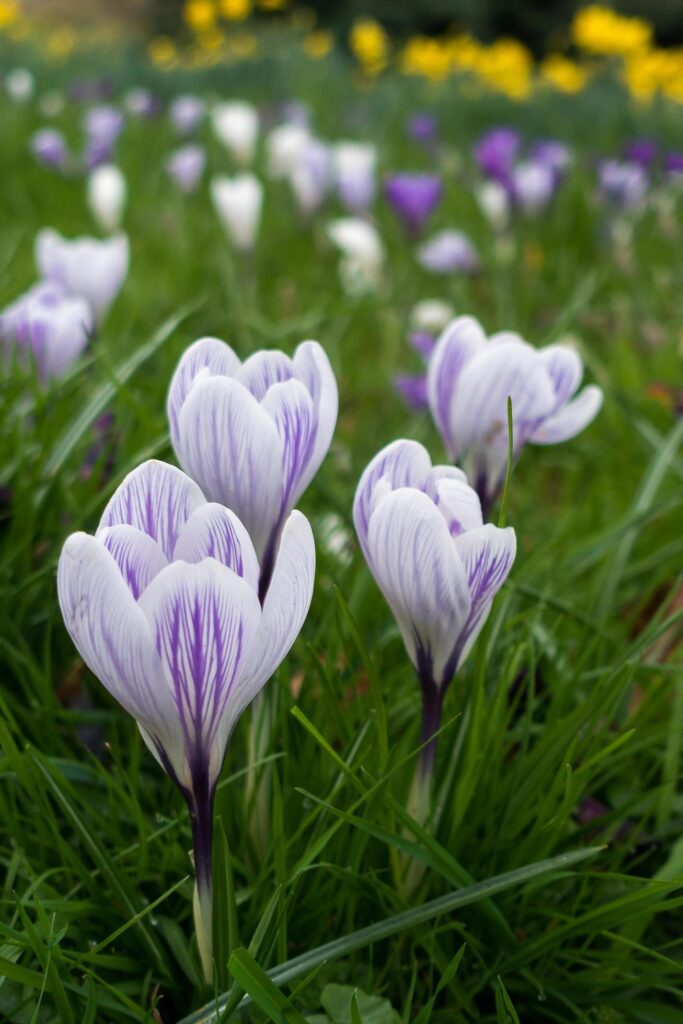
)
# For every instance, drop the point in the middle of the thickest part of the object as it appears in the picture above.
(370, 44)
(318, 44)
(9, 12)
(602, 31)
(426, 56)
(655, 71)
(506, 66)
(199, 15)
(564, 74)
(235, 10)
(162, 52)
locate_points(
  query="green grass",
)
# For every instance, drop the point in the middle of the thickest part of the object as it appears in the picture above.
(573, 691)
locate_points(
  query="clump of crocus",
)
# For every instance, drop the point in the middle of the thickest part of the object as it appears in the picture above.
(253, 434)
(185, 166)
(46, 326)
(414, 197)
(162, 604)
(84, 266)
(439, 567)
(469, 381)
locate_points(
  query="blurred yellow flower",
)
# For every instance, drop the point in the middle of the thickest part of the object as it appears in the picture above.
(199, 15)
(370, 44)
(212, 39)
(506, 66)
(162, 52)
(61, 42)
(318, 44)
(564, 74)
(9, 12)
(601, 30)
(655, 71)
(242, 45)
(235, 10)
(272, 5)
(426, 56)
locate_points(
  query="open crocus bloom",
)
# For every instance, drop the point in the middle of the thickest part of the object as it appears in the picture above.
(84, 266)
(48, 325)
(253, 434)
(439, 567)
(469, 380)
(162, 604)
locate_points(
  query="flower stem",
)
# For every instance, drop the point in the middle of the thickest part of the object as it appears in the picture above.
(201, 814)
(432, 701)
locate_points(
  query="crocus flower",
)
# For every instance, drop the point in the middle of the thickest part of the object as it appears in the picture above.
(20, 85)
(427, 320)
(554, 154)
(362, 254)
(49, 148)
(238, 203)
(141, 102)
(355, 174)
(46, 325)
(495, 153)
(311, 177)
(494, 202)
(286, 147)
(422, 534)
(448, 251)
(103, 125)
(162, 604)
(423, 128)
(469, 380)
(187, 113)
(107, 193)
(414, 197)
(185, 166)
(253, 434)
(532, 185)
(622, 183)
(87, 267)
(236, 126)
(673, 163)
(641, 151)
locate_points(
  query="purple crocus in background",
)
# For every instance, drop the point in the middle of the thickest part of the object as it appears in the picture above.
(622, 183)
(533, 185)
(49, 148)
(414, 198)
(84, 266)
(439, 567)
(447, 252)
(423, 128)
(469, 380)
(162, 604)
(253, 434)
(427, 319)
(641, 151)
(46, 325)
(185, 166)
(673, 163)
(554, 154)
(495, 153)
(102, 124)
(187, 113)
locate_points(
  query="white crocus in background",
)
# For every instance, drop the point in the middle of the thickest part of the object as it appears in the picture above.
(89, 267)
(48, 326)
(431, 315)
(286, 146)
(107, 193)
(311, 178)
(355, 172)
(362, 252)
(236, 126)
(494, 203)
(469, 380)
(238, 203)
(20, 85)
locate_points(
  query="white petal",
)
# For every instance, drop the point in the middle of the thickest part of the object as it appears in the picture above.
(291, 408)
(459, 504)
(312, 366)
(488, 554)
(263, 369)
(565, 369)
(137, 555)
(458, 344)
(155, 498)
(205, 357)
(214, 531)
(572, 419)
(400, 464)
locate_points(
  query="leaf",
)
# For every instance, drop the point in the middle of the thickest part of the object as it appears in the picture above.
(265, 994)
(337, 1001)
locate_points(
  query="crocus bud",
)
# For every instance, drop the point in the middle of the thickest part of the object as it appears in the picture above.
(103, 125)
(447, 252)
(470, 378)
(48, 326)
(107, 193)
(310, 179)
(238, 202)
(286, 146)
(355, 174)
(533, 185)
(494, 203)
(495, 153)
(187, 113)
(439, 567)
(236, 126)
(414, 198)
(185, 166)
(50, 149)
(88, 267)
(253, 434)
(362, 254)
(20, 85)
(162, 605)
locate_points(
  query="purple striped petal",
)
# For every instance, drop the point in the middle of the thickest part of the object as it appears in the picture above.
(157, 499)
(203, 619)
(206, 357)
(290, 406)
(260, 371)
(214, 531)
(565, 369)
(487, 554)
(114, 639)
(231, 446)
(458, 344)
(400, 464)
(312, 366)
(415, 564)
(572, 419)
(138, 557)
(459, 504)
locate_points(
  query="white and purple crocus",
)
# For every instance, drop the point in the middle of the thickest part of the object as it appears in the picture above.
(163, 606)
(469, 380)
(439, 567)
(253, 434)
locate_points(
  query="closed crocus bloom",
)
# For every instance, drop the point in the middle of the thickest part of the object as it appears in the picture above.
(88, 267)
(310, 178)
(48, 326)
(162, 604)
(439, 567)
(20, 85)
(253, 434)
(448, 252)
(554, 154)
(494, 203)
(185, 166)
(187, 113)
(469, 380)
(496, 151)
(533, 185)
(238, 203)
(286, 147)
(107, 193)
(362, 254)
(414, 197)
(49, 148)
(355, 169)
(102, 124)
(624, 184)
(236, 126)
